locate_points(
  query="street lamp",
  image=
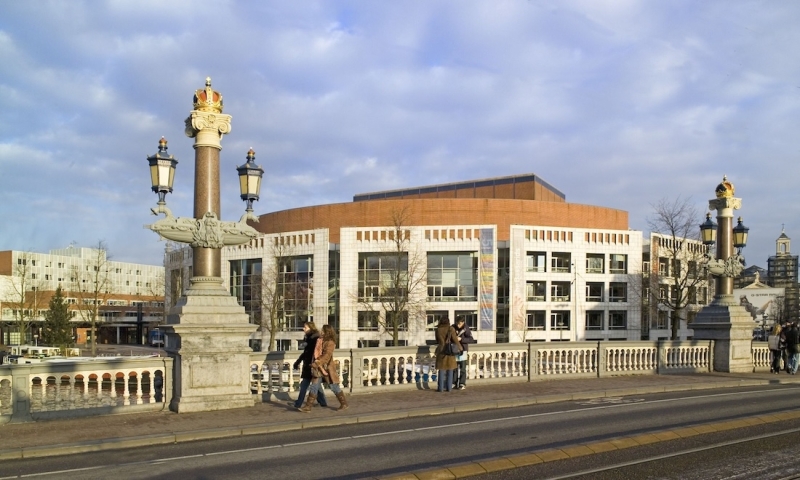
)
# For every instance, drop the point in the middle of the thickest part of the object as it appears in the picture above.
(726, 264)
(250, 181)
(162, 174)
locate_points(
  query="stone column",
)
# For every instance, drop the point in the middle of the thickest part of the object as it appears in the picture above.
(724, 320)
(207, 330)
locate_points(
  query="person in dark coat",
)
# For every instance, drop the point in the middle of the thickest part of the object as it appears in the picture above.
(793, 347)
(774, 343)
(325, 368)
(465, 338)
(445, 364)
(307, 358)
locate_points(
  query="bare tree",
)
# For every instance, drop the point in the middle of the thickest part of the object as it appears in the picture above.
(26, 295)
(92, 286)
(285, 295)
(677, 273)
(395, 294)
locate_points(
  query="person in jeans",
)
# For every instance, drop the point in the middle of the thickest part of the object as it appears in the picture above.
(307, 357)
(774, 343)
(792, 341)
(465, 337)
(445, 364)
(324, 369)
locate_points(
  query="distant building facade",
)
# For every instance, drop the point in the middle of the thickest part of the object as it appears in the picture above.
(508, 254)
(127, 289)
(782, 273)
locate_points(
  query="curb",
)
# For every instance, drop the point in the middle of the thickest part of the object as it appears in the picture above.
(189, 436)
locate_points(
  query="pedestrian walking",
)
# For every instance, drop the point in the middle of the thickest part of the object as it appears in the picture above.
(774, 343)
(445, 364)
(306, 358)
(792, 348)
(465, 338)
(324, 369)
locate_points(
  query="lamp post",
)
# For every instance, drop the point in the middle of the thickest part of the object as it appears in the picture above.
(207, 331)
(724, 321)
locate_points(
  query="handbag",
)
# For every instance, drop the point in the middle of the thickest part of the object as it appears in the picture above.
(451, 348)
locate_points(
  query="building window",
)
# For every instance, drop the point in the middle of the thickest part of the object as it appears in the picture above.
(369, 343)
(691, 266)
(382, 276)
(595, 262)
(368, 321)
(594, 291)
(559, 320)
(618, 263)
(537, 262)
(559, 291)
(400, 317)
(663, 267)
(618, 292)
(536, 319)
(470, 318)
(594, 320)
(453, 277)
(662, 320)
(433, 317)
(537, 291)
(400, 343)
(617, 320)
(560, 262)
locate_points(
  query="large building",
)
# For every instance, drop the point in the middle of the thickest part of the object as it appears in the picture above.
(129, 295)
(782, 273)
(509, 254)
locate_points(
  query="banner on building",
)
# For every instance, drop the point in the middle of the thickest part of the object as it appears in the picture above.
(758, 301)
(486, 282)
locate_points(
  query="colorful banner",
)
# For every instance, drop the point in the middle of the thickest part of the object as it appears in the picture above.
(486, 281)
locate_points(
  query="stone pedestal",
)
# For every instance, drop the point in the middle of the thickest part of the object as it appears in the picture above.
(731, 328)
(207, 335)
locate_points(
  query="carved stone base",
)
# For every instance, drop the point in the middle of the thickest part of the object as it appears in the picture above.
(207, 335)
(731, 328)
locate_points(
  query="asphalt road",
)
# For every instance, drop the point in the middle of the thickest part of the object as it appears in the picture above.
(377, 450)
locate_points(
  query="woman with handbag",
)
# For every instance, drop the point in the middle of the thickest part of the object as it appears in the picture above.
(447, 347)
(324, 368)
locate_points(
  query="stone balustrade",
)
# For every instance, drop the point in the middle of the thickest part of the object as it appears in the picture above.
(107, 385)
(383, 369)
(87, 386)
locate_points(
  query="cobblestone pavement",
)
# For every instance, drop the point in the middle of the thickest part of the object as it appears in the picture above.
(274, 412)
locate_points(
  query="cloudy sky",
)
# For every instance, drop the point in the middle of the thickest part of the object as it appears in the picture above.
(615, 103)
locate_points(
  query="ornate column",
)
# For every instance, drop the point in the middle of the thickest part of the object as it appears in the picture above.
(207, 331)
(724, 320)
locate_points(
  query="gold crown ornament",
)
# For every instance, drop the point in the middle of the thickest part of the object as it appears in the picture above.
(208, 100)
(724, 189)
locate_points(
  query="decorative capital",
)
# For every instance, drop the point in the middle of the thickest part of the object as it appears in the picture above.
(725, 203)
(207, 128)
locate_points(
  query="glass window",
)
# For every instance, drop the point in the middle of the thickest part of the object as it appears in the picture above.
(663, 267)
(470, 318)
(595, 262)
(537, 291)
(559, 291)
(367, 321)
(537, 262)
(536, 319)
(618, 292)
(594, 320)
(594, 291)
(618, 263)
(433, 317)
(452, 277)
(382, 276)
(617, 320)
(560, 262)
(559, 320)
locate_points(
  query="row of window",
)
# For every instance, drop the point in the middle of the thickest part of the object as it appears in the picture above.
(560, 320)
(536, 291)
(561, 262)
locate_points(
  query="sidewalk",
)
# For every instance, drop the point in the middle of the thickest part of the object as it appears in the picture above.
(109, 432)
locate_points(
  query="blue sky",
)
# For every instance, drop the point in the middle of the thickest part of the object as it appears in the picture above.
(615, 103)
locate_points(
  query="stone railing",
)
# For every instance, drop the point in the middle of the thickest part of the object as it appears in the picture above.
(382, 369)
(89, 386)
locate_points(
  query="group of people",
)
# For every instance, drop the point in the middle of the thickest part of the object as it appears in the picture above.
(784, 344)
(318, 367)
(452, 368)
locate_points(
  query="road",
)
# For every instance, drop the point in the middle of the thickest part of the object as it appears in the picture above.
(381, 449)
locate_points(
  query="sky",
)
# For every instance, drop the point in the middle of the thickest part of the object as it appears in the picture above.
(615, 103)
